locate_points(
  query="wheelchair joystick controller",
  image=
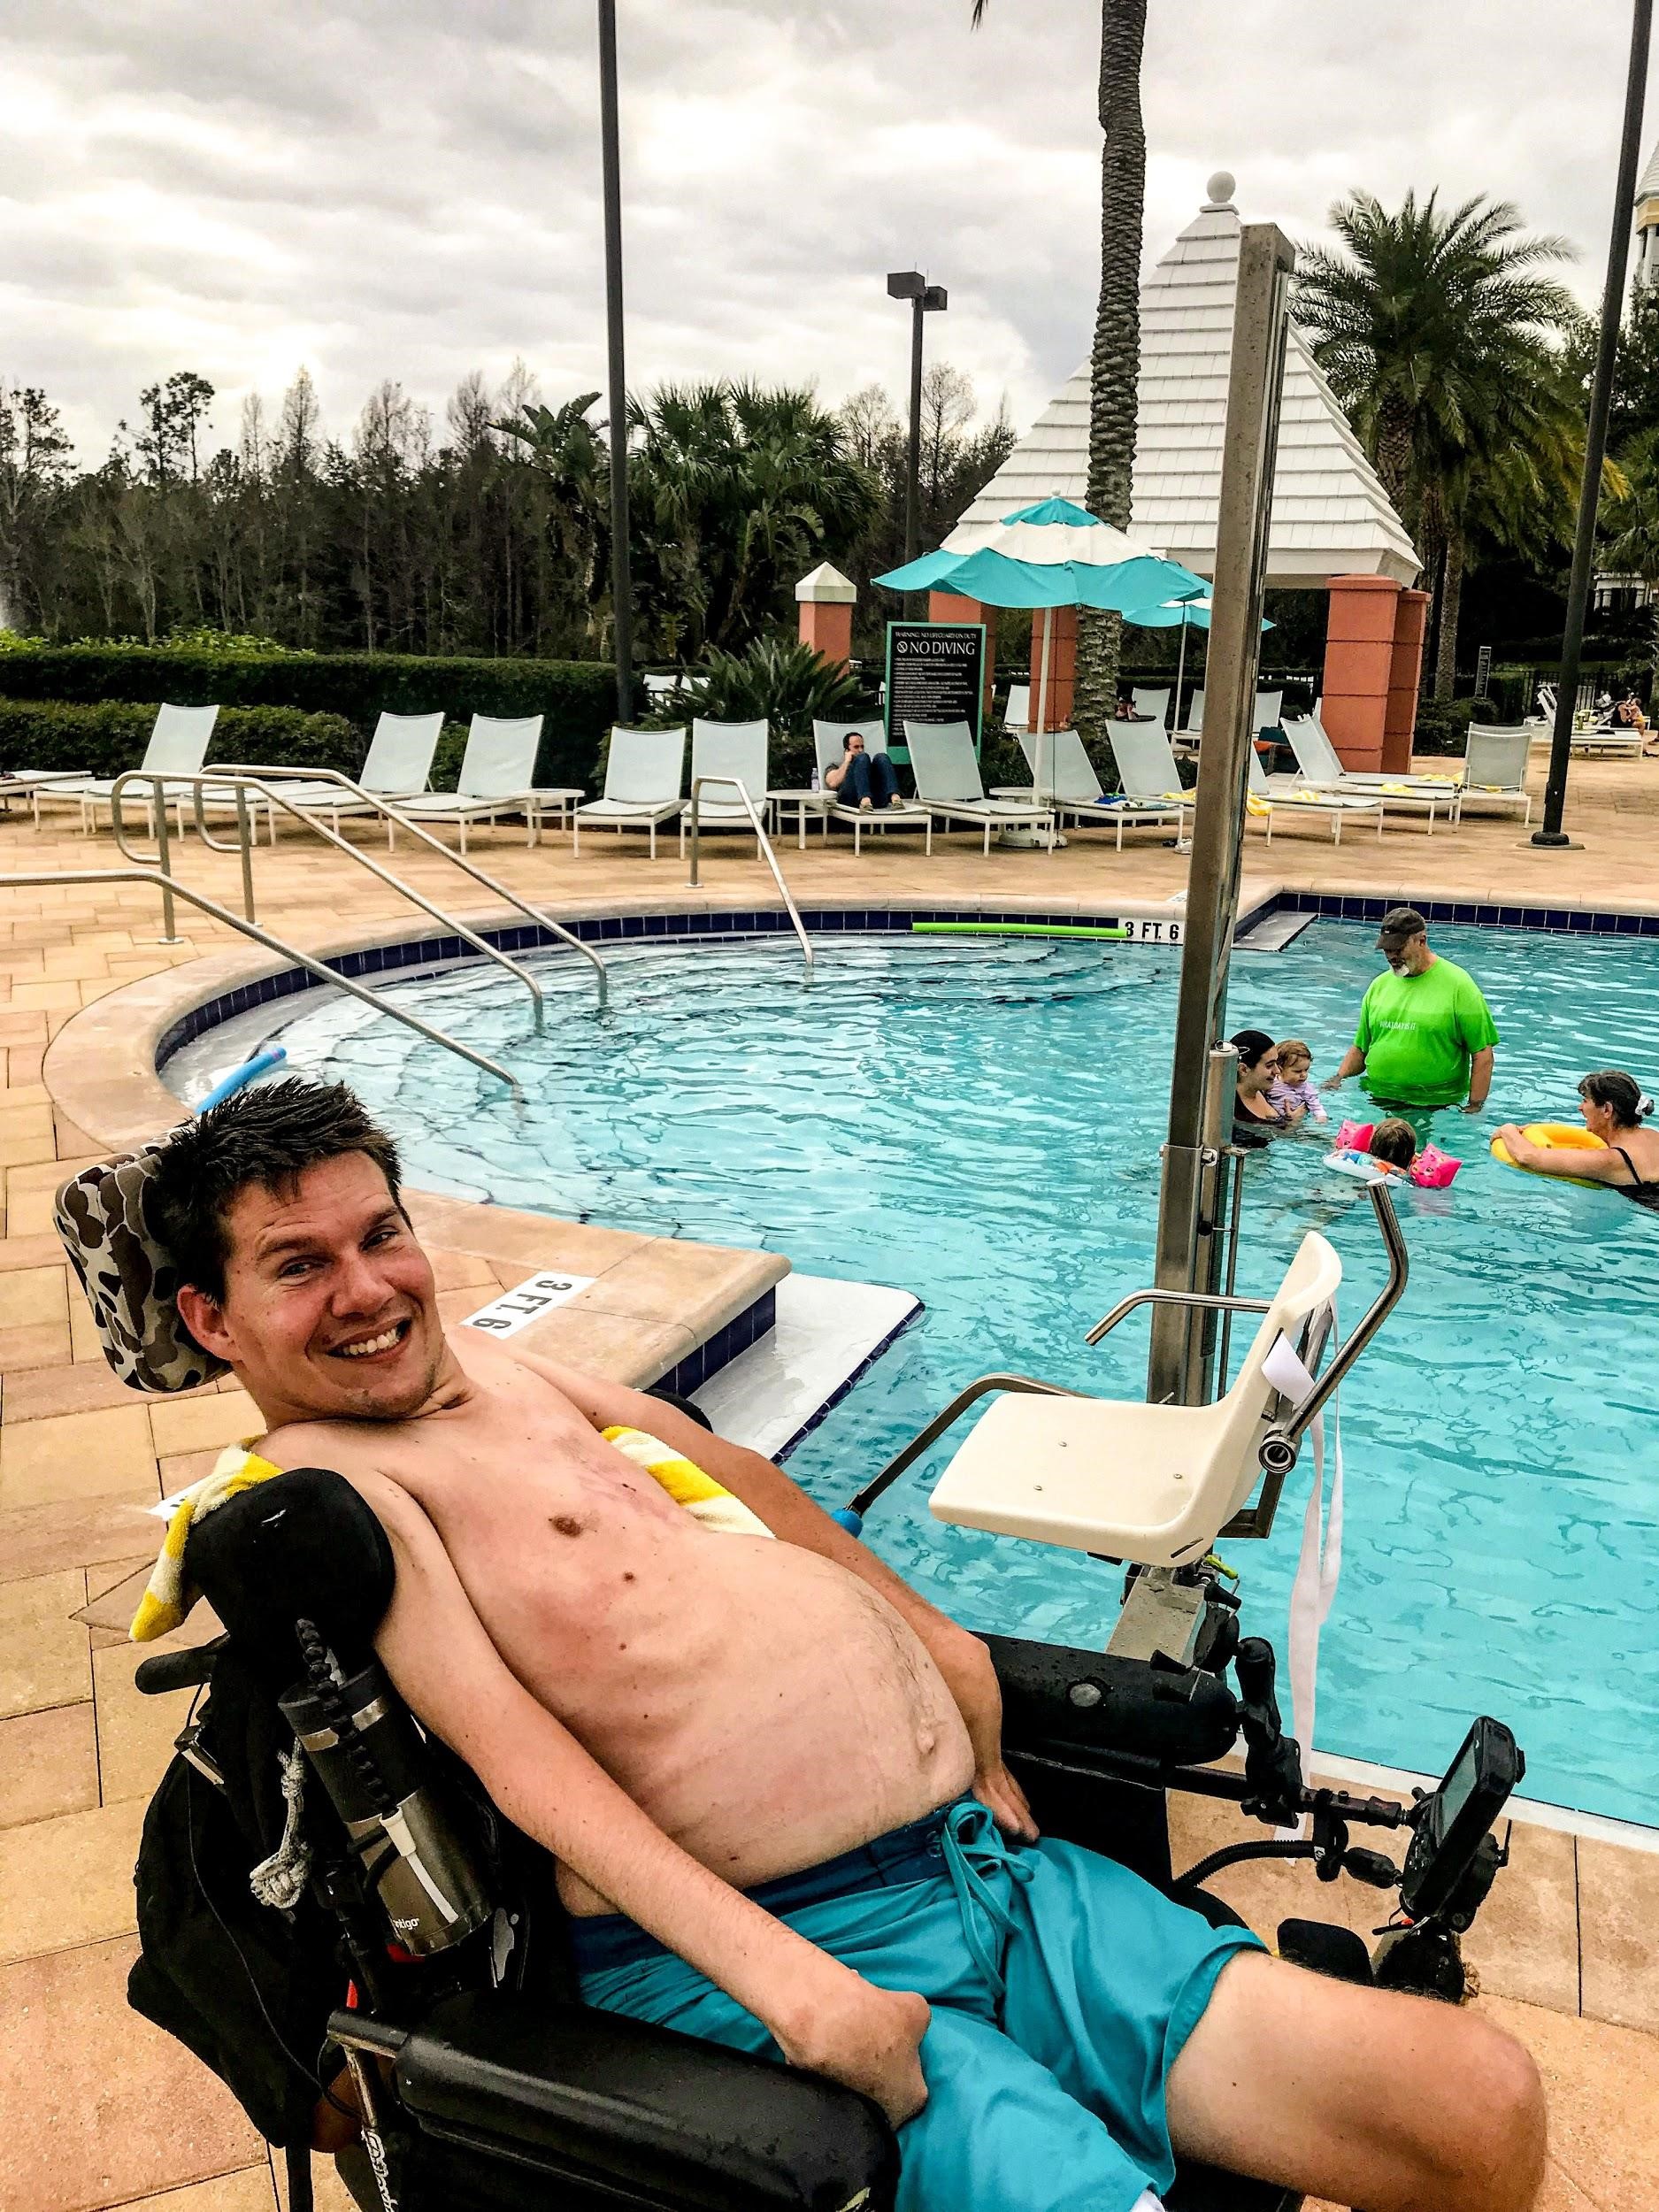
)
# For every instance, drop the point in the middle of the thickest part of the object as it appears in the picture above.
(371, 1759)
(1273, 1759)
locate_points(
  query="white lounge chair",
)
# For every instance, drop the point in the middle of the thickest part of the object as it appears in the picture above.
(398, 768)
(644, 771)
(1016, 713)
(1153, 794)
(1267, 799)
(1152, 1484)
(1072, 782)
(949, 786)
(1322, 770)
(1268, 704)
(179, 740)
(1151, 706)
(727, 748)
(1190, 732)
(497, 776)
(824, 805)
(1494, 780)
(1608, 738)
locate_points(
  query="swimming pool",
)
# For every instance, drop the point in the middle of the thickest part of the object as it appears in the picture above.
(979, 1122)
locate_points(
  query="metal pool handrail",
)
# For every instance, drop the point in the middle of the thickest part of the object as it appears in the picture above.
(259, 780)
(763, 845)
(243, 785)
(169, 890)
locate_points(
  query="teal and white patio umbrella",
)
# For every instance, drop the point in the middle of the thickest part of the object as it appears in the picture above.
(1055, 554)
(1194, 613)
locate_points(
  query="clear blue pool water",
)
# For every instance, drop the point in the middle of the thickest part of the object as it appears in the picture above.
(980, 1123)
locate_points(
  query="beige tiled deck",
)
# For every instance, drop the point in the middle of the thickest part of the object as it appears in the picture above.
(102, 2110)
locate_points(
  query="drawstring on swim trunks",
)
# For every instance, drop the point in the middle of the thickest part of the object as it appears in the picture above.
(974, 1849)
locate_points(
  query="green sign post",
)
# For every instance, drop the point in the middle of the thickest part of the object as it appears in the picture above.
(935, 673)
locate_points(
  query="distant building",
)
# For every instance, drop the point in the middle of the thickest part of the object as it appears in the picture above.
(1648, 223)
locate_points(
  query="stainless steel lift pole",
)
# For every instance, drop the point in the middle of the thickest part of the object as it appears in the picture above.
(1193, 1193)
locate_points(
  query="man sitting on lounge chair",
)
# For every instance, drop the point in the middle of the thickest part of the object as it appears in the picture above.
(770, 1773)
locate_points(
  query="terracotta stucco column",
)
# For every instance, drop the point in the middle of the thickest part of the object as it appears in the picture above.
(949, 606)
(1359, 649)
(1061, 665)
(825, 599)
(1405, 675)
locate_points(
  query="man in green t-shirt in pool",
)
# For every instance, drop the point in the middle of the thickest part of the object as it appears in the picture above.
(1426, 1034)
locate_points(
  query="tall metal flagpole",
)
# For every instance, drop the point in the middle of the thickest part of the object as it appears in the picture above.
(1595, 439)
(621, 579)
(1202, 1080)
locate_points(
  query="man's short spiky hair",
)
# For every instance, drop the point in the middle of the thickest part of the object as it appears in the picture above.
(268, 1135)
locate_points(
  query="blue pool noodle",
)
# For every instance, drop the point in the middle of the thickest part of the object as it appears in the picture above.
(267, 1057)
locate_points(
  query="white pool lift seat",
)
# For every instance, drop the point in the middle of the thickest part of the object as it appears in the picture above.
(948, 785)
(497, 776)
(179, 740)
(1152, 1484)
(644, 771)
(735, 749)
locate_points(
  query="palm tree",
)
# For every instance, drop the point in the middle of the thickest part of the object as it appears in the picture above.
(736, 490)
(1631, 518)
(1441, 340)
(1115, 356)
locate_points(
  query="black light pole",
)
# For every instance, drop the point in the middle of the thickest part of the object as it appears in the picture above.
(621, 581)
(1595, 439)
(926, 299)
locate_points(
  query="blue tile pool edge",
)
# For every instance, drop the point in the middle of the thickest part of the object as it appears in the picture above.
(403, 953)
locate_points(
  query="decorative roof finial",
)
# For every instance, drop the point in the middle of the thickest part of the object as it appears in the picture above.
(1221, 188)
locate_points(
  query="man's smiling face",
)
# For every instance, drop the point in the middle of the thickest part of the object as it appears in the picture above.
(329, 1309)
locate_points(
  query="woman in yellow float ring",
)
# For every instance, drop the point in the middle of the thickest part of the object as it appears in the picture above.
(1612, 1149)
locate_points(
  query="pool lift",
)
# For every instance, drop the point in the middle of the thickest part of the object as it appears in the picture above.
(1154, 1485)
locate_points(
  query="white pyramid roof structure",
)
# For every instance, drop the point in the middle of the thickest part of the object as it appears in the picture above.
(1648, 183)
(1331, 516)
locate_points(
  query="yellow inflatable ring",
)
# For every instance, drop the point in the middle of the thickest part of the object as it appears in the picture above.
(1555, 1136)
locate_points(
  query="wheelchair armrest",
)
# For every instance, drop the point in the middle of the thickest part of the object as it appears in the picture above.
(656, 2117)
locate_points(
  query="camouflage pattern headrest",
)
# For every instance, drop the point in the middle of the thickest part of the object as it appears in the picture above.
(104, 1217)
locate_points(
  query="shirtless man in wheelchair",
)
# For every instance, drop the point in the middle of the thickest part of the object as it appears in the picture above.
(706, 1730)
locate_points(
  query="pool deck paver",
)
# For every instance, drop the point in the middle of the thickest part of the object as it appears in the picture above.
(115, 2114)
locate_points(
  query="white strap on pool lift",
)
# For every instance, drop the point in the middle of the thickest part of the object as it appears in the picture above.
(1320, 1566)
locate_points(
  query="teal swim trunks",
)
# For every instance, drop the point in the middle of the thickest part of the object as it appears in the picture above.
(1062, 1986)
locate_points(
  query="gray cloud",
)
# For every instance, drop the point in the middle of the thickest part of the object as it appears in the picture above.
(395, 188)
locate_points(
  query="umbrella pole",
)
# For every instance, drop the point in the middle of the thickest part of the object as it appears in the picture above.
(1180, 674)
(1042, 700)
(1191, 1200)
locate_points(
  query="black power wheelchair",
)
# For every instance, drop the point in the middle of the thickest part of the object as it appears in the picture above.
(411, 1941)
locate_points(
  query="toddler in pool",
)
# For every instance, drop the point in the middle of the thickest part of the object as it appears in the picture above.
(1295, 1085)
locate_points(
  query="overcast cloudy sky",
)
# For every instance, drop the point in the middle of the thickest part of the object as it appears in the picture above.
(394, 188)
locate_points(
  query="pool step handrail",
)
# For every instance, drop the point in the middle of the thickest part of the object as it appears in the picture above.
(261, 782)
(762, 845)
(170, 889)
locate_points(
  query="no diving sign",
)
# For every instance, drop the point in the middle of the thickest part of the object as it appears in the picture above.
(517, 1309)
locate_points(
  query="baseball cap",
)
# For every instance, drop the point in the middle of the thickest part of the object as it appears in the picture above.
(1400, 922)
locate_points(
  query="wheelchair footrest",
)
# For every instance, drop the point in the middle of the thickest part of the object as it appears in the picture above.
(639, 2113)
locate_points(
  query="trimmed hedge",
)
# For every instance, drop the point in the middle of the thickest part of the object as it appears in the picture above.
(576, 698)
(102, 740)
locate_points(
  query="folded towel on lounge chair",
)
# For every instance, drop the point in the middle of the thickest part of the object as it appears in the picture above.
(169, 1596)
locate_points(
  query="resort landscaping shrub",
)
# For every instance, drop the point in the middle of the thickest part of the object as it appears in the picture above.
(1443, 724)
(104, 739)
(576, 698)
